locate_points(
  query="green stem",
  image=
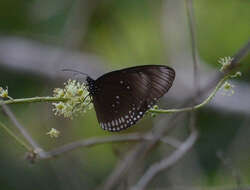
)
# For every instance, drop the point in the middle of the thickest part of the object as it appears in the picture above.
(206, 101)
(33, 100)
(56, 99)
(20, 141)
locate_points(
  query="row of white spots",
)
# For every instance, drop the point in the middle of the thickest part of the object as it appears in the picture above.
(122, 122)
(115, 125)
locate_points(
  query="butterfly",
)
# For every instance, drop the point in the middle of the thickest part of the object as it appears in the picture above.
(122, 97)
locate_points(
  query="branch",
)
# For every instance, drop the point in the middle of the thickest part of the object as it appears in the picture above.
(20, 141)
(191, 25)
(110, 139)
(56, 99)
(32, 100)
(82, 143)
(35, 147)
(167, 162)
(198, 106)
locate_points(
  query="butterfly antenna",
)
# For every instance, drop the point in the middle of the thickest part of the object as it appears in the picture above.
(75, 71)
(86, 97)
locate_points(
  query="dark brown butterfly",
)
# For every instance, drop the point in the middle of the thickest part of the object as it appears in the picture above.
(122, 97)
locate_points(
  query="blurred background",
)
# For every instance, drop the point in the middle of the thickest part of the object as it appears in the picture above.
(39, 38)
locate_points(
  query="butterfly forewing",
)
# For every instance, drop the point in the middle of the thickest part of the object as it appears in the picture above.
(124, 96)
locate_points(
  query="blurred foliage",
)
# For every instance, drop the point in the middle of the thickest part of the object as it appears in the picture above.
(124, 33)
(222, 27)
(127, 33)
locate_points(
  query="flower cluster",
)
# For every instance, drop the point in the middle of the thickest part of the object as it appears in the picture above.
(225, 62)
(76, 98)
(53, 133)
(227, 89)
(4, 93)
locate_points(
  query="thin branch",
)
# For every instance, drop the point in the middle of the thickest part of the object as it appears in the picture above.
(109, 139)
(167, 162)
(191, 25)
(23, 131)
(206, 101)
(32, 100)
(165, 111)
(20, 141)
(82, 143)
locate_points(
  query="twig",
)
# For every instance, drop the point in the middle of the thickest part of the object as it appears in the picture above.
(191, 25)
(82, 143)
(110, 139)
(165, 111)
(32, 100)
(25, 134)
(20, 141)
(167, 162)
(206, 101)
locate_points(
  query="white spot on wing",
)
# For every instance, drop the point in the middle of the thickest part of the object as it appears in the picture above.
(122, 119)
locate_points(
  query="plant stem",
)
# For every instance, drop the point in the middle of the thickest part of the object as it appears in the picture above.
(206, 101)
(20, 141)
(166, 111)
(33, 100)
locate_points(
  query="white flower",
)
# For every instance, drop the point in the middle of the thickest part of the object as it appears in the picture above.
(227, 89)
(53, 133)
(4, 93)
(225, 62)
(78, 99)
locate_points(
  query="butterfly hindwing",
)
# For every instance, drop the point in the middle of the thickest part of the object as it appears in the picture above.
(124, 96)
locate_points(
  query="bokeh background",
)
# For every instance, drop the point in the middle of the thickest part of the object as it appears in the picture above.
(39, 38)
